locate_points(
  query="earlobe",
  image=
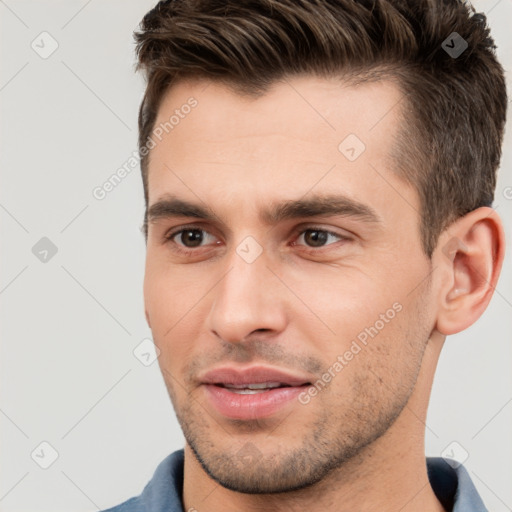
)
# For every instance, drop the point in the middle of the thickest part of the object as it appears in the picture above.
(469, 257)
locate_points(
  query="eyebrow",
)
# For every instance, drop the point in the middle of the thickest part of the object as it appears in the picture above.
(316, 205)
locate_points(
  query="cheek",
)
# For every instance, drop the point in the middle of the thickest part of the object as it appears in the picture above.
(171, 303)
(372, 328)
(342, 301)
(169, 292)
(378, 373)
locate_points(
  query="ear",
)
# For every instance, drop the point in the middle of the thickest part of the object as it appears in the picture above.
(469, 257)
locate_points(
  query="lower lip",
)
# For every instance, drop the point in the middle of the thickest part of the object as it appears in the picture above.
(251, 406)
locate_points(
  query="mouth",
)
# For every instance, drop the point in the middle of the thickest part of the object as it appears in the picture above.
(253, 377)
(252, 393)
(252, 388)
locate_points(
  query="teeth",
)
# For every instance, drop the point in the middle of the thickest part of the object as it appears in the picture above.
(247, 391)
(255, 387)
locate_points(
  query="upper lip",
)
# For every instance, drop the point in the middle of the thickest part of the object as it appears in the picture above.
(252, 375)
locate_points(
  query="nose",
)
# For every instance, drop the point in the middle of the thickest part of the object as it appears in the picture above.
(248, 298)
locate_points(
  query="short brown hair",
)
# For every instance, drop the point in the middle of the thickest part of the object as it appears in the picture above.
(454, 107)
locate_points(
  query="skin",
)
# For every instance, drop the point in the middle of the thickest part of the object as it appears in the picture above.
(359, 443)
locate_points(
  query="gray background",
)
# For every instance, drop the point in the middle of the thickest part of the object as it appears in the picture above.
(69, 376)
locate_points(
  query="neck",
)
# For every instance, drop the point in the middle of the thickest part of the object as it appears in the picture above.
(389, 474)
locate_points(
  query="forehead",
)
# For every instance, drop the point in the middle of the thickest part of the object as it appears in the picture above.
(304, 134)
(294, 106)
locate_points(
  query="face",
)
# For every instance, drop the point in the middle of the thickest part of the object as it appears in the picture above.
(285, 283)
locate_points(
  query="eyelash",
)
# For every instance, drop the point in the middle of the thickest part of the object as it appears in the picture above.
(188, 251)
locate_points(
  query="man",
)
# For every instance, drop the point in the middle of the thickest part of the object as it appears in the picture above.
(318, 177)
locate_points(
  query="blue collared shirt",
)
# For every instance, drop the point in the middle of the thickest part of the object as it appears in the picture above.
(452, 486)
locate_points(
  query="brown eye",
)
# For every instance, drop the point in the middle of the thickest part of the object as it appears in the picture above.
(191, 237)
(315, 237)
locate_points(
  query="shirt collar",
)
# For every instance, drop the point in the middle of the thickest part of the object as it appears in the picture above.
(453, 486)
(449, 480)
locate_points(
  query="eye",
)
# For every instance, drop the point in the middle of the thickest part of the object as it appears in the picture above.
(317, 237)
(190, 238)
